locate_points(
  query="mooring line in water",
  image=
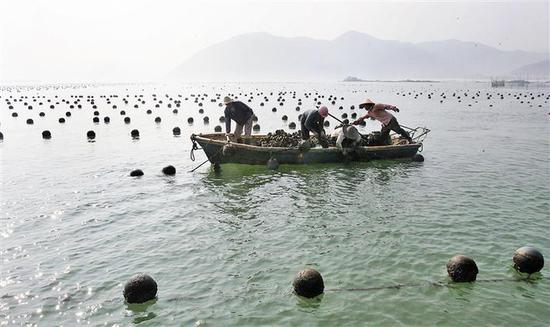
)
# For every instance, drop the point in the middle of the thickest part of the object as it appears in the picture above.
(433, 284)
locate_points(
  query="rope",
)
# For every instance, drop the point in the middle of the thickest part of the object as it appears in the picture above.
(193, 148)
(196, 148)
(432, 284)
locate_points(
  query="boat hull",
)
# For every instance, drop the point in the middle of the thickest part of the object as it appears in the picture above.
(221, 151)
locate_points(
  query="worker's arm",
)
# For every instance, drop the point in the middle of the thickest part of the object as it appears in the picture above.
(360, 119)
(386, 107)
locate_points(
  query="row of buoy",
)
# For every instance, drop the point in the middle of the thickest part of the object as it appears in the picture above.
(309, 282)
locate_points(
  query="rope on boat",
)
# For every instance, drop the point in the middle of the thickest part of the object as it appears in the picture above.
(192, 155)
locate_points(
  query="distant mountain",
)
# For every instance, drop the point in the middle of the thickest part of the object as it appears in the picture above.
(265, 57)
(539, 70)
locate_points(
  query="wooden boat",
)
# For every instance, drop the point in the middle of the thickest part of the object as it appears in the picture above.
(219, 150)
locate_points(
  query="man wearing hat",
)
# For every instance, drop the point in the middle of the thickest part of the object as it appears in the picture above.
(389, 122)
(241, 114)
(312, 121)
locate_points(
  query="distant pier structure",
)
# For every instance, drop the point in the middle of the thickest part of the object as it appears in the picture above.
(497, 83)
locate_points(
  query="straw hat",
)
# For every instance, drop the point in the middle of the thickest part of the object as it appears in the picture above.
(366, 103)
(227, 100)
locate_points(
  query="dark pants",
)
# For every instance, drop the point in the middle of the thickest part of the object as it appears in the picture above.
(393, 125)
(305, 131)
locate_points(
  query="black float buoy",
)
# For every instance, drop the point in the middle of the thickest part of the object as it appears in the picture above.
(529, 260)
(134, 133)
(462, 269)
(218, 129)
(14, 114)
(68, 114)
(127, 120)
(169, 170)
(326, 123)
(90, 135)
(106, 120)
(176, 131)
(418, 158)
(206, 120)
(175, 111)
(96, 113)
(61, 120)
(30, 121)
(285, 117)
(140, 288)
(190, 120)
(136, 173)
(272, 164)
(256, 127)
(292, 125)
(308, 283)
(42, 114)
(122, 112)
(46, 135)
(157, 120)
(149, 111)
(1, 136)
(274, 109)
(95, 119)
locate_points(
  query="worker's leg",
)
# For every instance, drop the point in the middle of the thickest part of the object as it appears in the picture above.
(305, 132)
(248, 127)
(238, 131)
(385, 134)
(394, 125)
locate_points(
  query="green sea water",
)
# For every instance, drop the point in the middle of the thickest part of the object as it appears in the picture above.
(224, 247)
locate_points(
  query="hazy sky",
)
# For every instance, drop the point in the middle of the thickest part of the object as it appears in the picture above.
(110, 40)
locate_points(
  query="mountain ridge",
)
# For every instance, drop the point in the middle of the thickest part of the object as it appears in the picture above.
(264, 56)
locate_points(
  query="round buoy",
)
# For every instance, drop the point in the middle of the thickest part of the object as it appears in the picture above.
(14, 114)
(1, 136)
(308, 283)
(96, 113)
(90, 135)
(46, 135)
(285, 117)
(134, 133)
(169, 170)
(222, 119)
(272, 164)
(274, 109)
(30, 121)
(127, 120)
(157, 120)
(175, 111)
(176, 131)
(256, 127)
(61, 120)
(190, 120)
(106, 120)
(95, 119)
(326, 123)
(68, 114)
(462, 269)
(418, 158)
(292, 125)
(529, 260)
(122, 112)
(201, 111)
(149, 111)
(140, 288)
(206, 120)
(136, 173)
(218, 129)
(41, 114)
